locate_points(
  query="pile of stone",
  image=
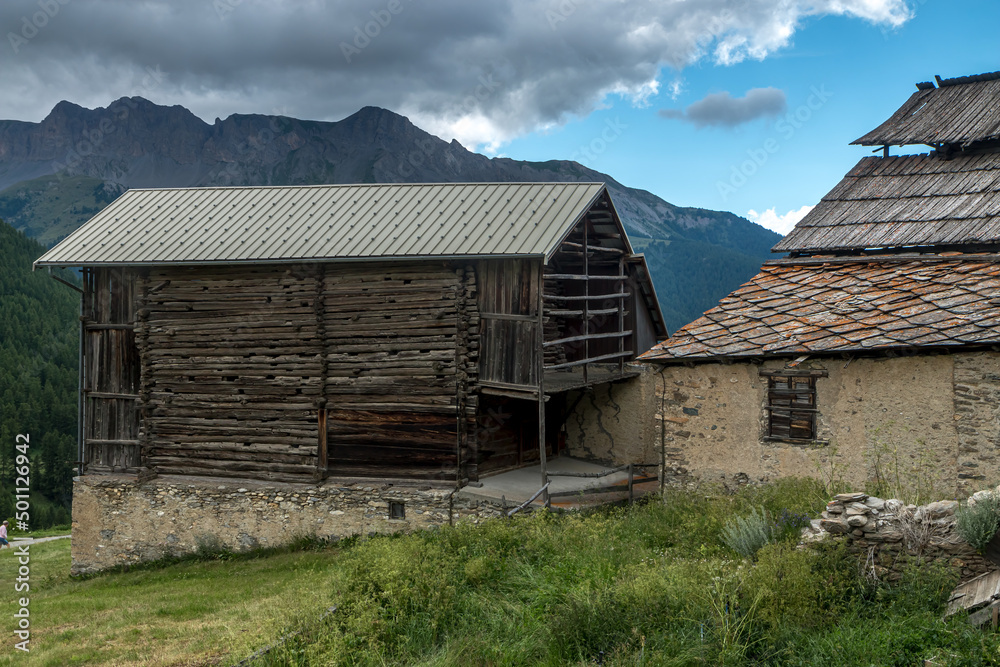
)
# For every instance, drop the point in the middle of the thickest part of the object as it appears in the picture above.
(893, 533)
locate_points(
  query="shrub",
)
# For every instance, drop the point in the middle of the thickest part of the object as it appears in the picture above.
(978, 523)
(746, 535)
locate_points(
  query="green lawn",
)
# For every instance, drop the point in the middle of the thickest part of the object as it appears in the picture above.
(649, 585)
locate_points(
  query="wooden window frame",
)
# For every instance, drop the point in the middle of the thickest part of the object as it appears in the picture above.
(791, 405)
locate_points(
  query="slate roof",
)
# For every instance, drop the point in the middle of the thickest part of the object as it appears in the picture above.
(836, 305)
(959, 111)
(910, 200)
(333, 222)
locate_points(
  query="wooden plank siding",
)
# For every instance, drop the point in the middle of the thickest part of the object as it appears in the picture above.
(508, 306)
(110, 372)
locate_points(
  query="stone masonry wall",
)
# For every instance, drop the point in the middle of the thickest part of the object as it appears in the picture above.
(977, 419)
(899, 414)
(890, 534)
(612, 423)
(118, 521)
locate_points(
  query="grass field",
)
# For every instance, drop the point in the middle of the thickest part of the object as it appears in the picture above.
(648, 585)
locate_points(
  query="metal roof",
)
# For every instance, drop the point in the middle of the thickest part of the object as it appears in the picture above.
(303, 223)
(847, 305)
(959, 111)
(908, 200)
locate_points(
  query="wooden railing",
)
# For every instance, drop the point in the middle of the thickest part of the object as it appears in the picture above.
(544, 491)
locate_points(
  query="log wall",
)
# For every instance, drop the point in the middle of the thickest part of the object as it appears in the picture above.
(294, 374)
(400, 358)
(232, 372)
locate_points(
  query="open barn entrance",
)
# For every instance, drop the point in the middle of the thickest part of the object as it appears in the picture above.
(507, 433)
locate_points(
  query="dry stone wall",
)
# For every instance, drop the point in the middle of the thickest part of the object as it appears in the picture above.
(892, 533)
(118, 520)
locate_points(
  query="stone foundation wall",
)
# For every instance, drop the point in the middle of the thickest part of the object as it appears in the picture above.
(118, 520)
(894, 534)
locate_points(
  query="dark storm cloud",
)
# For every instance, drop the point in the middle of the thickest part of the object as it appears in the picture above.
(480, 71)
(722, 110)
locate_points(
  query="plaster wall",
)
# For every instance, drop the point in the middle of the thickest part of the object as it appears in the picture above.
(877, 416)
(613, 423)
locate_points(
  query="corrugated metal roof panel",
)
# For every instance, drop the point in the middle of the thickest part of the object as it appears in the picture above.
(961, 111)
(909, 200)
(266, 224)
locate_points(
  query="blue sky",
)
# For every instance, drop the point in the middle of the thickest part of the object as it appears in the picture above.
(620, 85)
(868, 71)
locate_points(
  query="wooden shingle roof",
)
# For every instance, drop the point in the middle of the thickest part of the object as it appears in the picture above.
(909, 200)
(959, 111)
(841, 305)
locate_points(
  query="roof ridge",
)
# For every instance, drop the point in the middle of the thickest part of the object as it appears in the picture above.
(960, 80)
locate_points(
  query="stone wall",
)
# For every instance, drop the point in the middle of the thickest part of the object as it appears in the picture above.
(612, 423)
(890, 534)
(118, 520)
(933, 419)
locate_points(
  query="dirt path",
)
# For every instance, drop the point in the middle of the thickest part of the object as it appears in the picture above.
(38, 540)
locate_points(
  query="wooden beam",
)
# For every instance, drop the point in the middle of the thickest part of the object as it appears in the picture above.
(96, 441)
(577, 276)
(571, 244)
(505, 316)
(108, 394)
(107, 327)
(587, 337)
(574, 313)
(589, 297)
(605, 357)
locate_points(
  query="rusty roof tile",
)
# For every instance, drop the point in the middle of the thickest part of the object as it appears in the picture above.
(849, 306)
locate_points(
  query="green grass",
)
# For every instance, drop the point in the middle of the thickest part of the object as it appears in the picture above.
(648, 585)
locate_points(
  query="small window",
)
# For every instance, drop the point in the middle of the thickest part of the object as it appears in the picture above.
(791, 402)
(397, 510)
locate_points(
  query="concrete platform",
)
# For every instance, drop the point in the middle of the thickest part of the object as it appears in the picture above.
(515, 486)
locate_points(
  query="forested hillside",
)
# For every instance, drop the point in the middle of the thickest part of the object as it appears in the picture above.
(38, 378)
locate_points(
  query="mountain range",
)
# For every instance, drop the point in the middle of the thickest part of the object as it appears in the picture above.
(55, 174)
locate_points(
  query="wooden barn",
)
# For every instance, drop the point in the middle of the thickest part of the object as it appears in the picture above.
(293, 334)
(872, 350)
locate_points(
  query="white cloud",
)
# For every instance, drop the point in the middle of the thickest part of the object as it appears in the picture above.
(778, 223)
(326, 59)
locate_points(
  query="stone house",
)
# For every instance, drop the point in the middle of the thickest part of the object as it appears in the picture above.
(871, 348)
(263, 362)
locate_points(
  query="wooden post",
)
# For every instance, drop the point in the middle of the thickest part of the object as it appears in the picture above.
(621, 317)
(321, 445)
(631, 478)
(586, 302)
(540, 365)
(80, 399)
